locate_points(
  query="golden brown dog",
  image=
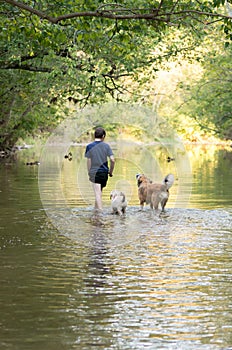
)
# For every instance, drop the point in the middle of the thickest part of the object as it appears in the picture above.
(154, 193)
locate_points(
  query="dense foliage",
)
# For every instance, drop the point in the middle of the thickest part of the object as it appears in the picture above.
(53, 54)
(210, 102)
(193, 89)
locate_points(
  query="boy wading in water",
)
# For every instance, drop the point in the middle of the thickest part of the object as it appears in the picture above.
(97, 154)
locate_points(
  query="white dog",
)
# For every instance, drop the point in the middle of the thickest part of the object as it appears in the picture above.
(118, 202)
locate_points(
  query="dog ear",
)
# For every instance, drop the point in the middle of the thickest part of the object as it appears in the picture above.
(137, 176)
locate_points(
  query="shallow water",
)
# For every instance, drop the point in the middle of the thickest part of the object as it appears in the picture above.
(73, 280)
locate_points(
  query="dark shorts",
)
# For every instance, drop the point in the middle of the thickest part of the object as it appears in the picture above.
(99, 178)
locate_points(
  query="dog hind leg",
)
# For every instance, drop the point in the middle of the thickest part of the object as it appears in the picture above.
(163, 203)
(155, 202)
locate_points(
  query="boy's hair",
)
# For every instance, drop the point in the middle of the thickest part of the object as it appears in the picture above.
(99, 133)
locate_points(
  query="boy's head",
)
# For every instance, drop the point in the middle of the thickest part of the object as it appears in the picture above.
(99, 133)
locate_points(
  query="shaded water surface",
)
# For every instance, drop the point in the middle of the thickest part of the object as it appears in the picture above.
(142, 281)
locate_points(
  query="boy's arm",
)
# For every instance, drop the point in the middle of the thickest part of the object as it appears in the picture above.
(112, 162)
(88, 164)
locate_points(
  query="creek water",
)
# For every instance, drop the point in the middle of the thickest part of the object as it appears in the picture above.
(71, 280)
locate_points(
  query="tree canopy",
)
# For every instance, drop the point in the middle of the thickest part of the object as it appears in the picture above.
(83, 52)
(208, 101)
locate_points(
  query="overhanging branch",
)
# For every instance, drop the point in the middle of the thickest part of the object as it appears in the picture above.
(27, 68)
(117, 12)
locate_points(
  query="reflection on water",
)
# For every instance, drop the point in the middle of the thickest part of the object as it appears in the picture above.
(141, 281)
(209, 185)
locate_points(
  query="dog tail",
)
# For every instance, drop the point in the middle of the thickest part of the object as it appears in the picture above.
(168, 180)
(123, 197)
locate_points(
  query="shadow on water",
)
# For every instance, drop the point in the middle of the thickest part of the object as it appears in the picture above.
(141, 281)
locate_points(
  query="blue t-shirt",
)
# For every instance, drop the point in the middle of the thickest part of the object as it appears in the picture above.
(98, 151)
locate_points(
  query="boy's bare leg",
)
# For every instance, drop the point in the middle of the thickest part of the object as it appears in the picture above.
(98, 196)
